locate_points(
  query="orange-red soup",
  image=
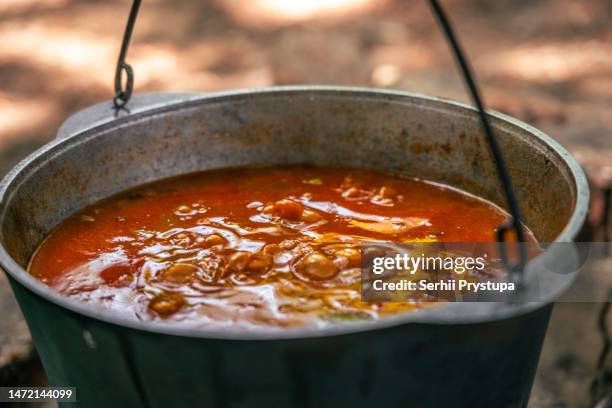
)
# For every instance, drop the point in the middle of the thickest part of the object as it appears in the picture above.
(274, 247)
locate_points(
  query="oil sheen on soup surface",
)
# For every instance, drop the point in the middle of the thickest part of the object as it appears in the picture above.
(273, 247)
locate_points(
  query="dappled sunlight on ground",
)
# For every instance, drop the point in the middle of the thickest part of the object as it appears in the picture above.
(19, 6)
(18, 115)
(553, 62)
(541, 61)
(57, 48)
(260, 13)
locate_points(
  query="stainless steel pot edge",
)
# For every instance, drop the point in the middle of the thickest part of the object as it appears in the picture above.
(450, 313)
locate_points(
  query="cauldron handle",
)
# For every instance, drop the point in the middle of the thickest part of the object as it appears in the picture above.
(104, 112)
(123, 94)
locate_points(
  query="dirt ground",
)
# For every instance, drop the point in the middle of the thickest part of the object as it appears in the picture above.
(548, 62)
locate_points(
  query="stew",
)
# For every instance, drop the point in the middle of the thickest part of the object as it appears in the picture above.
(271, 246)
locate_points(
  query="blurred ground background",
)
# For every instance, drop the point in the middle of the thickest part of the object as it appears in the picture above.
(548, 62)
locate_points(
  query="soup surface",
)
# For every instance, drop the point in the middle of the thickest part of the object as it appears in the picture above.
(274, 247)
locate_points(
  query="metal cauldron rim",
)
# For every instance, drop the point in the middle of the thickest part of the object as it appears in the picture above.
(97, 118)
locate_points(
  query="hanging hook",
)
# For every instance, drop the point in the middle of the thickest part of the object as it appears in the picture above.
(123, 95)
(514, 267)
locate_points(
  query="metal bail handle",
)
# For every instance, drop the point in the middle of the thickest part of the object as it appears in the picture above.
(516, 267)
(123, 95)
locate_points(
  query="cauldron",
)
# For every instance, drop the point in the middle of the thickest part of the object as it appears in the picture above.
(452, 355)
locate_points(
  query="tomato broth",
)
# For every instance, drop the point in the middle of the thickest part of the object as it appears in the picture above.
(251, 247)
